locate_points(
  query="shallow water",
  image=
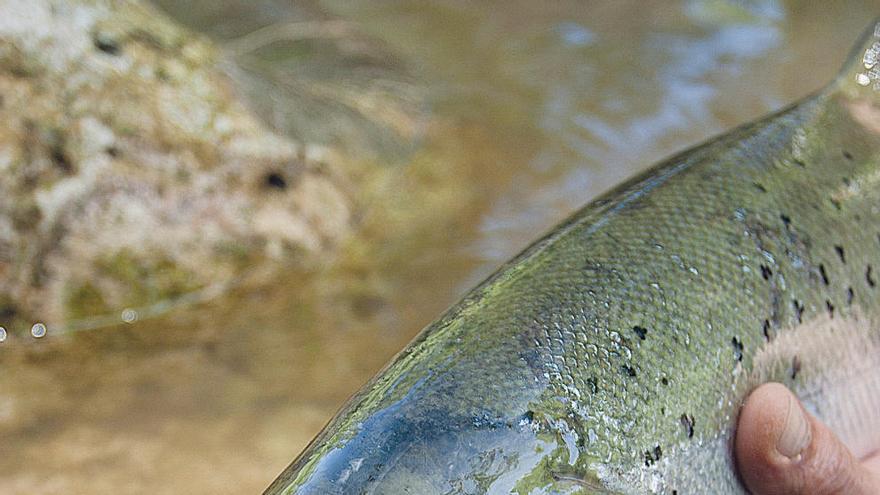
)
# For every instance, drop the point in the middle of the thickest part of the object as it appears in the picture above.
(536, 110)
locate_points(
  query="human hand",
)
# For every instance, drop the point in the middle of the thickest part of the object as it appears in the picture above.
(783, 450)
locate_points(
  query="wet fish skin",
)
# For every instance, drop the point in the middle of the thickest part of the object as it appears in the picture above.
(613, 354)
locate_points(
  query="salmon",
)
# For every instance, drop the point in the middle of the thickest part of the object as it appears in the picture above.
(612, 356)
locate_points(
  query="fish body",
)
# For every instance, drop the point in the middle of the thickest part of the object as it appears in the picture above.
(612, 355)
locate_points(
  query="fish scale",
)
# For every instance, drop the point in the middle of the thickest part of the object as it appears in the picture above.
(613, 355)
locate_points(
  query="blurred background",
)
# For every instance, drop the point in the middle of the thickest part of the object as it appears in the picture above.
(464, 130)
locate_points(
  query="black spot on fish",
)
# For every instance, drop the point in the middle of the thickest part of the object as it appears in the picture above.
(653, 455)
(766, 272)
(687, 422)
(869, 276)
(795, 367)
(759, 187)
(824, 274)
(664, 381)
(850, 295)
(737, 348)
(840, 253)
(642, 332)
(766, 330)
(275, 180)
(830, 308)
(628, 370)
(785, 219)
(593, 384)
(798, 309)
(847, 155)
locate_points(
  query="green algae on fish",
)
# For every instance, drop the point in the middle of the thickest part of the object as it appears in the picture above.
(613, 354)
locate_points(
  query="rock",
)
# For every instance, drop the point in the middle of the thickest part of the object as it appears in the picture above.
(131, 172)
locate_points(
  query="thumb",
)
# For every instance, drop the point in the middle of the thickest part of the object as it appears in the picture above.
(783, 450)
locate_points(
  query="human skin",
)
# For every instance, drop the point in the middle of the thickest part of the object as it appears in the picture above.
(781, 449)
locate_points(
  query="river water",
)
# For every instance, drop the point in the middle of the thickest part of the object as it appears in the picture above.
(535, 108)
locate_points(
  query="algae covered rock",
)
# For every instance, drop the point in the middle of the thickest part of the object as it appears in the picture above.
(131, 172)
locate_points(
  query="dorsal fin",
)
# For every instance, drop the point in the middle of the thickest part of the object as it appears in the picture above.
(860, 76)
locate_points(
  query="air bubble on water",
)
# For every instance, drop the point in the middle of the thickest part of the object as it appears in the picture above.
(2, 334)
(38, 330)
(694, 271)
(129, 315)
(863, 79)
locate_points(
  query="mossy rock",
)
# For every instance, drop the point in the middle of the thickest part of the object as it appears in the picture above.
(132, 170)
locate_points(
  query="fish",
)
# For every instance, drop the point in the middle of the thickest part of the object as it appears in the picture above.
(612, 355)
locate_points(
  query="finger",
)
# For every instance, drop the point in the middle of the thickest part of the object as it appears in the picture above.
(783, 450)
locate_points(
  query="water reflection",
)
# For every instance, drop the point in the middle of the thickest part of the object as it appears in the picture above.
(537, 108)
(671, 91)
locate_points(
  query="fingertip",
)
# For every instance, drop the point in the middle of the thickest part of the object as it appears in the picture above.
(781, 449)
(761, 429)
